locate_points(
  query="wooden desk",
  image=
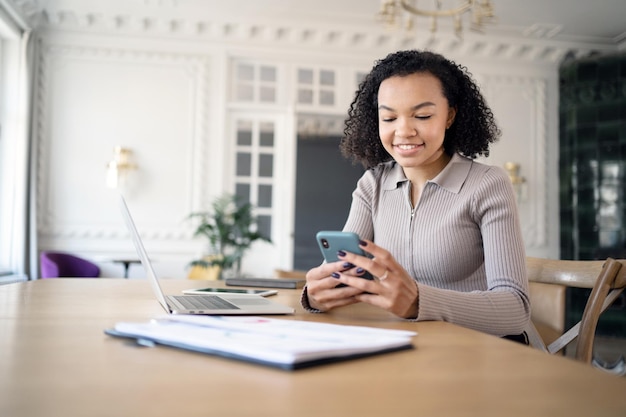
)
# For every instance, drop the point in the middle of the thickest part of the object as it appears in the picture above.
(55, 360)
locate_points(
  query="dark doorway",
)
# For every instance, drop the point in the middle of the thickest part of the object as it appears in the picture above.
(592, 172)
(324, 184)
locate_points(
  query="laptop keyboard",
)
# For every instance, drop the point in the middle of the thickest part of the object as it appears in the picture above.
(204, 302)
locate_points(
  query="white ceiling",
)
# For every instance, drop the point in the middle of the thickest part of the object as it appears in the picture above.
(601, 21)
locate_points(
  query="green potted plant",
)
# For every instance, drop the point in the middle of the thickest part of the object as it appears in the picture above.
(230, 229)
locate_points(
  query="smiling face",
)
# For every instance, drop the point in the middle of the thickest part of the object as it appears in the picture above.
(413, 115)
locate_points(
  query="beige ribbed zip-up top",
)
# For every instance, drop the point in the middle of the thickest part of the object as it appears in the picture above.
(462, 241)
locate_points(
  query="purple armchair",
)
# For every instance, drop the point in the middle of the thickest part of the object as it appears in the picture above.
(59, 264)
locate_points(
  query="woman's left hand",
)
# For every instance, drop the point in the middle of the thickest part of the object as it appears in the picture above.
(392, 289)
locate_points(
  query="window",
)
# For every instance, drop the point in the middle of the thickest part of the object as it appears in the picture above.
(13, 151)
(262, 148)
(316, 87)
(254, 168)
(254, 83)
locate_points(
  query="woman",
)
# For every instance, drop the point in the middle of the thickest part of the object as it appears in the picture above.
(442, 229)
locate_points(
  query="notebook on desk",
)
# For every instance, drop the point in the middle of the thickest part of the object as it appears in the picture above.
(223, 304)
(286, 344)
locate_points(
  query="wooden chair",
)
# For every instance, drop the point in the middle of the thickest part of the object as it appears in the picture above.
(548, 280)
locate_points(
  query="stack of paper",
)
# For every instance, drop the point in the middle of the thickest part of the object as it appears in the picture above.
(287, 344)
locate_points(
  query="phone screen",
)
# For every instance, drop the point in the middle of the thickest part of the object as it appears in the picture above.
(332, 241)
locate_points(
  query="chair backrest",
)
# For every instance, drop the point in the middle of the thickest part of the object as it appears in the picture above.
(608, 287)
(607, 280)
(60, 264)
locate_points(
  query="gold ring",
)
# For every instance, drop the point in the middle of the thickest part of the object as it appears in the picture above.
(383, 276)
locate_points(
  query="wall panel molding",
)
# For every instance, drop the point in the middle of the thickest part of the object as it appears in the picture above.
(524, 97)
(55, 132)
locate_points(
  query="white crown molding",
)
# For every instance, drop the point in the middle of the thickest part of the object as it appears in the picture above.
(151, 20)
(27, 13)
(316, 125)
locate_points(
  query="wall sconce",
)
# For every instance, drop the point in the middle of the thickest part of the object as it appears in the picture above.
(519, 182)
(119, 167)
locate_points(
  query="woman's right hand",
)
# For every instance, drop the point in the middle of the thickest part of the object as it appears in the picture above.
(322, 291)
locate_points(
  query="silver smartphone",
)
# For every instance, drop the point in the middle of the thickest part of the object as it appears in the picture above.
(241, 291)
(330, 242)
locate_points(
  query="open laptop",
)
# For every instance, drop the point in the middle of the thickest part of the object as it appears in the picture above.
(223, 304)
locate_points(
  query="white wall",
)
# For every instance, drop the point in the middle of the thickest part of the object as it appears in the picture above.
(160, 87)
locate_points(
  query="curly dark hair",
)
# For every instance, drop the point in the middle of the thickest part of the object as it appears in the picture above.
(474, 127)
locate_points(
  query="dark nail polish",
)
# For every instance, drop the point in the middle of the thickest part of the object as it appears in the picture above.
(335, 275)
(362, 243)
(360, 270)
(341, 253)
(348, 265)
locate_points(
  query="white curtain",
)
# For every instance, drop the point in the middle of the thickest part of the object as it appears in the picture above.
(19, 234)
(27, 213)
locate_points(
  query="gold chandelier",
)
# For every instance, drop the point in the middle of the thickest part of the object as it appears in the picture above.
(392, 13)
